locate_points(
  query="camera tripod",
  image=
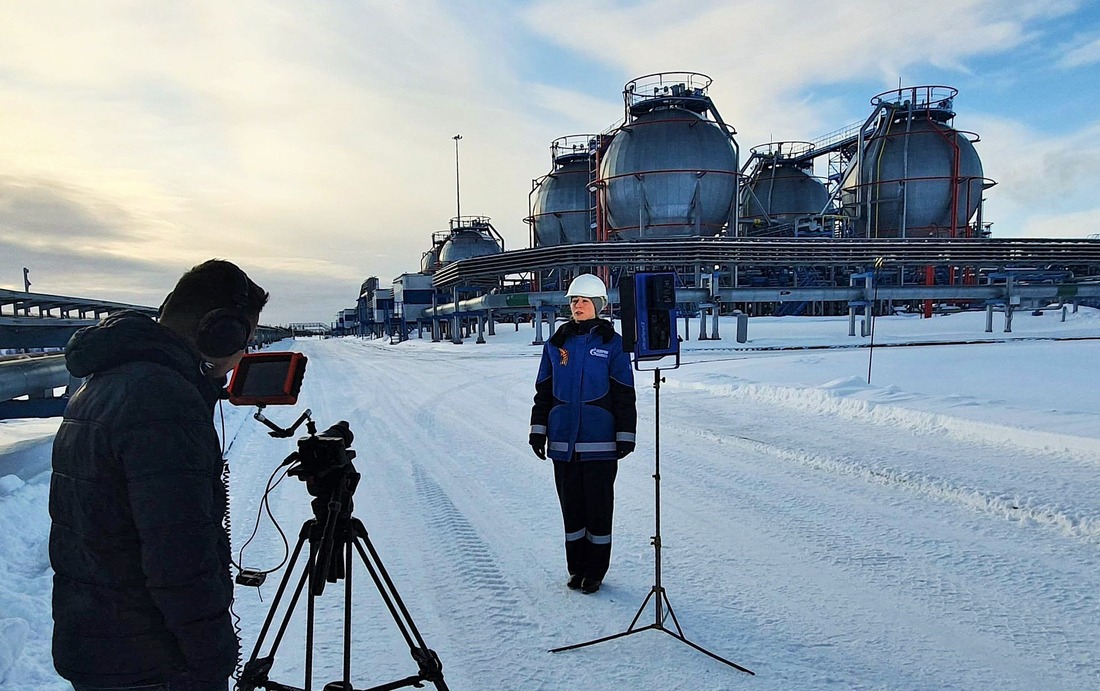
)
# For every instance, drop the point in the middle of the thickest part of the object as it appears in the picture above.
(662, 607)
(331, 544)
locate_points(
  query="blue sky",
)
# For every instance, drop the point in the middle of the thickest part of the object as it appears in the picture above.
(311, 142)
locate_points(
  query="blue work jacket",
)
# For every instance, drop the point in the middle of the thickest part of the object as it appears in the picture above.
(584, 393)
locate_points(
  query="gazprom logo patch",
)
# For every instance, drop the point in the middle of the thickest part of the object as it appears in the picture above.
(598, 352)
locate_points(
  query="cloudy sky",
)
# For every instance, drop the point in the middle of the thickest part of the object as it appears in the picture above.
(311, 142)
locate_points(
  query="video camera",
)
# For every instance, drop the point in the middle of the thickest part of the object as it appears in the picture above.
(320, 456)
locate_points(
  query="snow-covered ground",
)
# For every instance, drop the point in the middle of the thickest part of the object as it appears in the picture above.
(937, 528)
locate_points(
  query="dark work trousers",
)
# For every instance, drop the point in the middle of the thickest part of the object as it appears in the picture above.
(586, 490)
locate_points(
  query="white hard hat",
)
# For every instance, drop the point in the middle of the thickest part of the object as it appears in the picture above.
(587, 286)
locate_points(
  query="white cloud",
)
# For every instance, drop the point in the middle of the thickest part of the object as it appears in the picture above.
(1044, 182)
(765, 55)
(782, 42)
(264, 132)
(1079, 224)
(1082, 55)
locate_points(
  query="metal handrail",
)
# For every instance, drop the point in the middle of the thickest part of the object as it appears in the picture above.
(826, 141)
(21, 301)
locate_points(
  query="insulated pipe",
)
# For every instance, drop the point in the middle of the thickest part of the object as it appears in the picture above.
(32, 376)
(498, 301)
(528, 300)
(795, 252)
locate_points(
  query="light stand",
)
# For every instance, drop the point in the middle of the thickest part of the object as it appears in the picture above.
(657, 592)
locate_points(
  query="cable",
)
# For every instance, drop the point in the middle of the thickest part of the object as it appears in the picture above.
(227, 525)
(265, 505)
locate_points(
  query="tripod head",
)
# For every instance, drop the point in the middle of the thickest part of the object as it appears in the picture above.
(324, 462)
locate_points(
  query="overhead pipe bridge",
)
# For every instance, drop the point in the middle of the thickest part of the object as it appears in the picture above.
(653, 254)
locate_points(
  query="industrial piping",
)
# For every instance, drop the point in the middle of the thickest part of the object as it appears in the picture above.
(31, 376)
(521, 301)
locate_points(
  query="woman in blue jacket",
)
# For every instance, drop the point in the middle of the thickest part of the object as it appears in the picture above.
(584, 418)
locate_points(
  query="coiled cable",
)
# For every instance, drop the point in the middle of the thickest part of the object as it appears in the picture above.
(227, 526)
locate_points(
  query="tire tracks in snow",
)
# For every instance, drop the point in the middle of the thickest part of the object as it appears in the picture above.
(929, 583)
(924, 572)
(1062, 520)
(817, 401)
(460, 570)
(487, 595)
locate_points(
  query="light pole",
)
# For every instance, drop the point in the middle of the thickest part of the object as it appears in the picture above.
(458, 186)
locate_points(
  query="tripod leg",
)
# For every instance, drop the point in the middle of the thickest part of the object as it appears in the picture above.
(386, 597)
(431, 668)
(641, 609)
(256, 669)
(347, 614)
(710, 654)
(668, 606)
(629, 630)
(279, 593)
(311, 614)
(679, 633)
(612, 637)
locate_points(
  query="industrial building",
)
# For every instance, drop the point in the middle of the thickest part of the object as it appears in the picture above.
(894, 219)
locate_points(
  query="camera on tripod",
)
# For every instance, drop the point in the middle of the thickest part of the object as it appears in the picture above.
(323, 461)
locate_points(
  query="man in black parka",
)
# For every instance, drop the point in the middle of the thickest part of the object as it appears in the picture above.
(142, 588)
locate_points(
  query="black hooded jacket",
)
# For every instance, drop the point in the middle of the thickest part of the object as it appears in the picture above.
(141, 561)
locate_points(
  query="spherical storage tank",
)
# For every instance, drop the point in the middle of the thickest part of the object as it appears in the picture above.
(669, 171)
(470, 236)
(782, 187)
(429, 261)
(561, 209)
(919, 177)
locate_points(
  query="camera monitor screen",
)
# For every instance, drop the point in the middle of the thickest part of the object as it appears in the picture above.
(267, 379)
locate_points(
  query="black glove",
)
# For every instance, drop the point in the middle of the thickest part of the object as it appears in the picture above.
(624, 448)
(538, 444)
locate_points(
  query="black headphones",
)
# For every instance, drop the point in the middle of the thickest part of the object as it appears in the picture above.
(225, 331)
